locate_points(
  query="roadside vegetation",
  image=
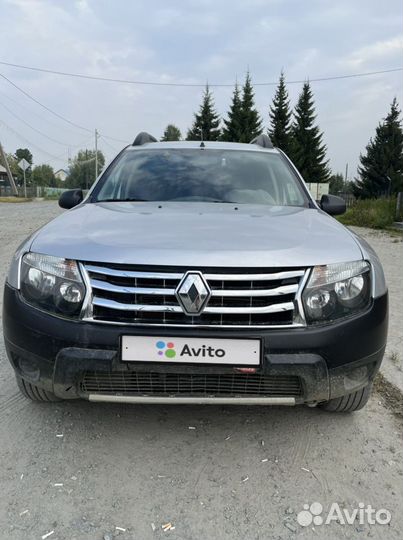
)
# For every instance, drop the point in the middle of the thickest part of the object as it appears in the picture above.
(14, 199)
(373, 213)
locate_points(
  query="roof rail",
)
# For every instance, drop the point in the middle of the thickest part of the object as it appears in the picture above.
(262, 140)
(142, 138)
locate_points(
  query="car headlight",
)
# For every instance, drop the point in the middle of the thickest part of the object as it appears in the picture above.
(52, 284)
(337, 290)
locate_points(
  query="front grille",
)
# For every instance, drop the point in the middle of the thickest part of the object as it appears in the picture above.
(239, 297)
(184, 384)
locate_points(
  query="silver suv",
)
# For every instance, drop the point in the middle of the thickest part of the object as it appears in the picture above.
(197, 273)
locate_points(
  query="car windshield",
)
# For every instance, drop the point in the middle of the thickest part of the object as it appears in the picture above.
(200, 174)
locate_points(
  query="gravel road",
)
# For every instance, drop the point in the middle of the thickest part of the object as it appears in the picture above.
(95, 471)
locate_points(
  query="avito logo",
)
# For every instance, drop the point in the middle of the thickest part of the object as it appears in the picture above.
(168, 349)
(202, 351)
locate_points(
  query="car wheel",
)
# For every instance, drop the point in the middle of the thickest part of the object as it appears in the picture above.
(35, 393)
(348, 403)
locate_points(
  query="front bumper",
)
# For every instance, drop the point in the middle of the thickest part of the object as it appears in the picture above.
(329, 361)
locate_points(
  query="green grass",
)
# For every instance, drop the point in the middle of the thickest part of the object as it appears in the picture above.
(14, 199)
(373, 213)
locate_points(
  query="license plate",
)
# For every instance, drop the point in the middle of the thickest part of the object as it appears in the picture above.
(191, 350)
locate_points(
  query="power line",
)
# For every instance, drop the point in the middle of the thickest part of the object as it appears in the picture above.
(35, 129)
(30, 111)
(155, 83)
(29, 142)
(57, 158)
(44, 106)
(55, 113)
(109, 144)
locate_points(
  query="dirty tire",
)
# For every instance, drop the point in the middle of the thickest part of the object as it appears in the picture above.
(35, 393)
(349, 402)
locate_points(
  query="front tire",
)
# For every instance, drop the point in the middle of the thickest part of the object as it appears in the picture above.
(34, 393)
(348, 403)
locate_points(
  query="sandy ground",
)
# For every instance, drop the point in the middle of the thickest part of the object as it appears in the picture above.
(389, 247)
(82, 469)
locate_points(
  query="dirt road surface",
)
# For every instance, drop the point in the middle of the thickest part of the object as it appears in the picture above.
(95, 471)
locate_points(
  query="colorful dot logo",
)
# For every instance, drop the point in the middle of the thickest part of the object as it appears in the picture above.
(166, 348)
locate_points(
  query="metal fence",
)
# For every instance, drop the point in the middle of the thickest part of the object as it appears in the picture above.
(348, 198)
(32, 191)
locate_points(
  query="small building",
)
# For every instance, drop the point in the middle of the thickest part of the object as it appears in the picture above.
(3, 175)
(318, 189)
(61, 175)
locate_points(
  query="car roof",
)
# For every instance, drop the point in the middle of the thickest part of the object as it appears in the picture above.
(213, 145)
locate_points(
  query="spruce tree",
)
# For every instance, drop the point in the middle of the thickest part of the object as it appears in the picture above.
(308, 152)
(172, 133)
(251, 123)
(381, 166)
(232, 125)
(280, 118)
(206, 125)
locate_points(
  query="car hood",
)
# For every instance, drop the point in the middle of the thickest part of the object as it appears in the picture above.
(197, 235)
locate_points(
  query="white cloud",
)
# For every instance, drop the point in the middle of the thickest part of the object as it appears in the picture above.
(380, 51)
(192, 42)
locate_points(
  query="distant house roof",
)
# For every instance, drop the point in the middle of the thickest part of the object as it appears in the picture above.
(61, 170)
(3, 169)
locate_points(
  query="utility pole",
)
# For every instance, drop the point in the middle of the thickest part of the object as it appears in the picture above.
(86, 169)
(96, 153)
(345, 178)
(25, 184)
(10, 176)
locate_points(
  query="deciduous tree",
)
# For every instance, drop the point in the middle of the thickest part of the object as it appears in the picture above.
(172, 133)
(43, 175)
(82, 169)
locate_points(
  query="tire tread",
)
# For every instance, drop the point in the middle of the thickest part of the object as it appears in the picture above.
(34, 393)
(348, 403)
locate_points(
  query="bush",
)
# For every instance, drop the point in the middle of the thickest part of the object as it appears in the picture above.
(373, 213)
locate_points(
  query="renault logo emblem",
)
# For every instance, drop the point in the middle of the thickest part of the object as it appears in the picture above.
(193, 293)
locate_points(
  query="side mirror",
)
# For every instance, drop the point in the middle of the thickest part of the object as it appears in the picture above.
(333, 205)
(69, 199)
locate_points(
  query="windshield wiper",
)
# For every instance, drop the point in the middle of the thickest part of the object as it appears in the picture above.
(225, 202)
(128, 199)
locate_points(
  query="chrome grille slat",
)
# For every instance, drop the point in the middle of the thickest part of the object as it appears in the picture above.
(130, 273)
(139, 295)
(106, 270)
(254, 277)
(106, 286)
(112, 304)
(276, 308)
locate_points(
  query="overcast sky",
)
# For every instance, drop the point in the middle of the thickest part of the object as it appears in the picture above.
(192, 41)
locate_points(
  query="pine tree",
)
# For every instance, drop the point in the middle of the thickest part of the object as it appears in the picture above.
(381, 167)
(251, 123)
(336, 183)
(232, 125)
(280, 117)
(307, 149)
(206, 125)
(172, 133)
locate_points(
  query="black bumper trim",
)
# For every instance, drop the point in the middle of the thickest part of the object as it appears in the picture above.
(319, 355)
